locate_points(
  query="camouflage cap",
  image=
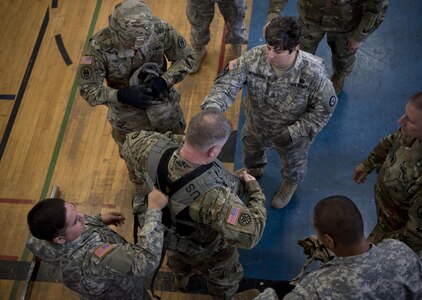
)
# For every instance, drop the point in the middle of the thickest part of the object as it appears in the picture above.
(132, 22)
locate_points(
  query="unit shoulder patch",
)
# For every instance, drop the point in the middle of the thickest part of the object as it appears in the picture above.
(182, 43)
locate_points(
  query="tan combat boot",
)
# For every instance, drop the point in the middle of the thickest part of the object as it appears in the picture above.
(235, 50)
(284, 194)
(199, 57)
(255, 172)
(181, 282)
(338, 82)
(246, 295)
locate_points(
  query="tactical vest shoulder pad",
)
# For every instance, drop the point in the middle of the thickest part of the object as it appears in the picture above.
(157, 150)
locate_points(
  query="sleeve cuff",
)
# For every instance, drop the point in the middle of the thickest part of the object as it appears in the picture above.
(252, 186)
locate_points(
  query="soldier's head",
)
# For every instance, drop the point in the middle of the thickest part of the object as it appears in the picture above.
(55, 220)
(411, 121)
(282, 37)
(132, 23)
(207, 133)
(338, 223)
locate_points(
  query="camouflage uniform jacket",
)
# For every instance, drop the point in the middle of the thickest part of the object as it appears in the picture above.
(361, 17)
(301, 99)
(389, 270)
(399, 186)
(105, 58)
(100, 264)
(222, 219)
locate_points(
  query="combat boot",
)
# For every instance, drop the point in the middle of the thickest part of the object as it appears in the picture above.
(246, 295)
(181, 282)
(338, 82)
(255, 172)
(199, 57)
(235, 50)
(284, 194)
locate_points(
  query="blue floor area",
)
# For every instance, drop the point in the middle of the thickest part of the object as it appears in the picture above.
(387, 72)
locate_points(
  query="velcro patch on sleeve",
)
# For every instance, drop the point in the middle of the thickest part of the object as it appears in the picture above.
(233, 216)
(87, 60)
(103, 250)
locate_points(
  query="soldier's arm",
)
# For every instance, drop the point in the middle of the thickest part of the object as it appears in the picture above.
(321, 105)
(227, 84)
(241, 225)
(91, 74)
(180, 55)
(140, 259)
(378, 155)
(373, 14)
(274, 8)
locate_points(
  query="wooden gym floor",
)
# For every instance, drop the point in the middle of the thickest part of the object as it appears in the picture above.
(52, 137)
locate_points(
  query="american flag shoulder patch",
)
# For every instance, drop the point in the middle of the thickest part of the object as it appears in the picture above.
(103, 250)
(233, 215)
(233, 64)
(87, 60)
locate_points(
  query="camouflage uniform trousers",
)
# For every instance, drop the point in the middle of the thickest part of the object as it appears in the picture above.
(386, 222)
(201, 12)
(341, 57)
(221, 268)
(294, 157)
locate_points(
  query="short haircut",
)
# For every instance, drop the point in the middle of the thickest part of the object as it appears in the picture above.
(340, 218)
(208, 128)
(283, 33)
(416, 100)
(47, 219)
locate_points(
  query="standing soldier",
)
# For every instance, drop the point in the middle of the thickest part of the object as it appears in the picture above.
(398, 192)
(290, 99)
(347, 23)
(200, 14)
(135, 37)
(207, 220)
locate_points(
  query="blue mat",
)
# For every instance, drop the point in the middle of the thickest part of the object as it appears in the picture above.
(387, 72)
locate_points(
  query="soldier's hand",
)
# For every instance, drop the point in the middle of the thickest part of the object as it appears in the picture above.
(247, 177)
(353, 45)
(136, 95)
(359, 175)
(113, 218)
(157, 85)
(283, 139)
(157, 200)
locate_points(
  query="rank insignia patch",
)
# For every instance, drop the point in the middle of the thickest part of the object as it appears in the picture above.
(103, 250)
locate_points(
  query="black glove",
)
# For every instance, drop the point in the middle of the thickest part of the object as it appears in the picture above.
(157, 85)
(136, 95)
(284, 139)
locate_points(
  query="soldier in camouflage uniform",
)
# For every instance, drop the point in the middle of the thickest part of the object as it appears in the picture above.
(290, 99)
(200, 14)
(220, 221)
(90, 258)
(360, 270)
(135, 37)
(398, 191)
(347, 23)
